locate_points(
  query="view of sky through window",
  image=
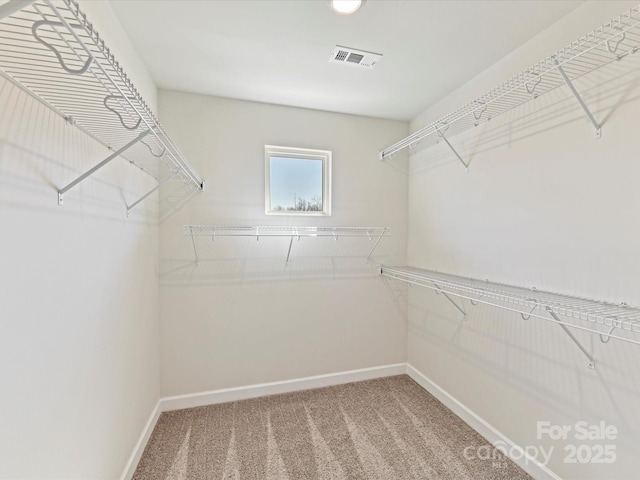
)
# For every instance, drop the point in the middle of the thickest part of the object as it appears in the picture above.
(296, 184)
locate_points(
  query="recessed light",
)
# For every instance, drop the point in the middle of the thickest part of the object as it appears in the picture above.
(345, 7)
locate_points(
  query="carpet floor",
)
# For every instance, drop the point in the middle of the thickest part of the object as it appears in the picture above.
(386, 429)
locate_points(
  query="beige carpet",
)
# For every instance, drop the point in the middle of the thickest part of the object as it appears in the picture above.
(387, 428)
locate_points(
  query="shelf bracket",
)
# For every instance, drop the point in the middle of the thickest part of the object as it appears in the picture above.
(439, 291)
(375, 244)
(598, 128)
(289, 251)
(193, 242)
(132, 206)
(13, 6)
(441, 135)
(63, 190)
(592, 362)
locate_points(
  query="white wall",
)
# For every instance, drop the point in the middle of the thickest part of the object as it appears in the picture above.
(79, 356)
(242, 317)
(545, 205)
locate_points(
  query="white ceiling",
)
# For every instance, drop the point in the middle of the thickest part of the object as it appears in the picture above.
(277, 51)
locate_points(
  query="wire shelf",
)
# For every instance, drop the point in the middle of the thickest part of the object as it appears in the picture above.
(52, 51)
(609, 43)
(285, 231)
(594, 316)
(374, 234)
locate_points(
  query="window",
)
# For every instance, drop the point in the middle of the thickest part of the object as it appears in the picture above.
(298, 181)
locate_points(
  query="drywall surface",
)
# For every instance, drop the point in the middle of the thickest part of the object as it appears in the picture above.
(242, 316)
(544, 204)
(79, 358)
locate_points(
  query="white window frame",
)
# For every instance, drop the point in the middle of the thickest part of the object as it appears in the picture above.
(301, 153)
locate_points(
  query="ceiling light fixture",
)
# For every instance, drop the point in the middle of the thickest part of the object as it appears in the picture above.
(345, 7)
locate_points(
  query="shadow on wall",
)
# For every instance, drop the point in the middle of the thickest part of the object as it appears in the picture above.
(399, 293)
(604, 91)
(534, 358)
(202, 260)
(41, 153)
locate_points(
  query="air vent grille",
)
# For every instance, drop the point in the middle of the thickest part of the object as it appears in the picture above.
(341, 56)
(355, 58)
(351, 56)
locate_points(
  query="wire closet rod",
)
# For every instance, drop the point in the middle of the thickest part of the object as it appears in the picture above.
(603, 318)
(284, 231)
(608, 43)
(374, 234)
(51, 50)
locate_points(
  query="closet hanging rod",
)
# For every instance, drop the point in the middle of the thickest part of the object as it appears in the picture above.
(62, 115)
(51, 50)
(606, 44)
(285, 231)
(374, 234)
(554, 307)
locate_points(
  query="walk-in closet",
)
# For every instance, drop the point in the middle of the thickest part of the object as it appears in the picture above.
(319, 239)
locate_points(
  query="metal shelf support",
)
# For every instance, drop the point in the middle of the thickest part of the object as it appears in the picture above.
(598, 128)
(441, 135)
(592, 362)
(382, 234)
(133, 205)
(115, 154)
(193, 243)
(439, 291)
(13, 6)
(289, 251)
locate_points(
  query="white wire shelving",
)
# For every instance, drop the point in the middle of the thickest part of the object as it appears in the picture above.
(606, 319)
(374, 234)
(609, 43)
(51, 50)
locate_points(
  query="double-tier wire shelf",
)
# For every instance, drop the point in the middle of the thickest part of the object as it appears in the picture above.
(374, 234)
(609, 43)
(51, 50)
(608, 320)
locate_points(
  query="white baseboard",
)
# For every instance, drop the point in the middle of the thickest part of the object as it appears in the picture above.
(252, 391)
(130, 468)
(529, 464)
(273, 388)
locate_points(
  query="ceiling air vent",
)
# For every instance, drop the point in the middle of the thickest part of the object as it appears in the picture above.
(351, 56)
